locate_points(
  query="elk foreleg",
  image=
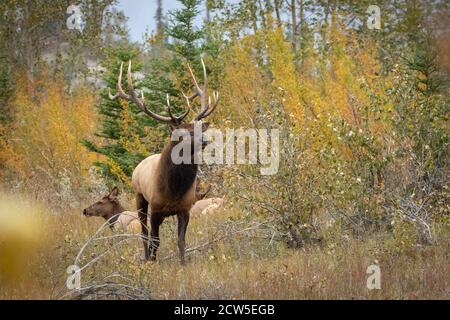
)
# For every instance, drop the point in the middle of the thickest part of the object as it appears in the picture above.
(155, 220)
(183, 220)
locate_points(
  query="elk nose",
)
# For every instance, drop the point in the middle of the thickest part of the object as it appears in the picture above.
(84, 212)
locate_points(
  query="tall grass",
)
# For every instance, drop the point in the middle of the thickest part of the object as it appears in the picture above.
(237, 258)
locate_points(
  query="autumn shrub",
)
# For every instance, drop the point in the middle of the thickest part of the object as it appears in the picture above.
(45, 156)
(345, 159)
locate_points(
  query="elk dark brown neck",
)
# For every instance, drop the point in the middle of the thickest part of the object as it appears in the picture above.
(175, 179)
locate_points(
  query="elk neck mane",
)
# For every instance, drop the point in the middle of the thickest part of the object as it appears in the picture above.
(175, 179)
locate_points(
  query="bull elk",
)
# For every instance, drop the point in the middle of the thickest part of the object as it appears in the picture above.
(160, 184)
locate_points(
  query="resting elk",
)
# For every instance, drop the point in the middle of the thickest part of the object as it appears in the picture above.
(109, 208)
(164, 188)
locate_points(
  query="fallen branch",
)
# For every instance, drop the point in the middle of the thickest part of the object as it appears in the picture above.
(106, 288)
(227, 234)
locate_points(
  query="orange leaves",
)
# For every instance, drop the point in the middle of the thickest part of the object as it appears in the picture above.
(48, 126)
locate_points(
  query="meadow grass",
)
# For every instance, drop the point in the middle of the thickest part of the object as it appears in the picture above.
(240, 265)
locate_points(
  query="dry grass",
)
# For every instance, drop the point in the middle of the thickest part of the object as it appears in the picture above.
(239, 265)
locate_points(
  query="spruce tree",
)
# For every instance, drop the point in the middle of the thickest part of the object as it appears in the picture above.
(128, 134)
(186, 43)
(184, 34)
(123, 128)
(159, 21)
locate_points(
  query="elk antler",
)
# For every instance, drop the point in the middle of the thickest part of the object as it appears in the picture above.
(140, 102)
(206, 107)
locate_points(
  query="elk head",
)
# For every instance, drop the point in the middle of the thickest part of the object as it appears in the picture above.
(106, 207)
(174, 122)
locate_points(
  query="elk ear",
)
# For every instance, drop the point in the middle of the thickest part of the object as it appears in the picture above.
(114, 193)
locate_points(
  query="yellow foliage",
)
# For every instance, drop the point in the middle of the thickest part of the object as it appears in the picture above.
(21, 233)
(48, 126)
(118, 172)
(285, 79)
(348, 77)
(7, 156)
(322, 91)
(129, 139)
(243, 87)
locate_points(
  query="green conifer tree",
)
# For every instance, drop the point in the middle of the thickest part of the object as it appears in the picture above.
(158, 81)
(111, 127)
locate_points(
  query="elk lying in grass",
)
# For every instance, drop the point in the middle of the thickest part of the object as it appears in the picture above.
(168, 188)
(206, 206)
(199, 194)
(203, 205)
(111, 210)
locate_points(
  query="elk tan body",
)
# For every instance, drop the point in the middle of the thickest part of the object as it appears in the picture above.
(128, 221)
(206, 207)
(146, 180)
